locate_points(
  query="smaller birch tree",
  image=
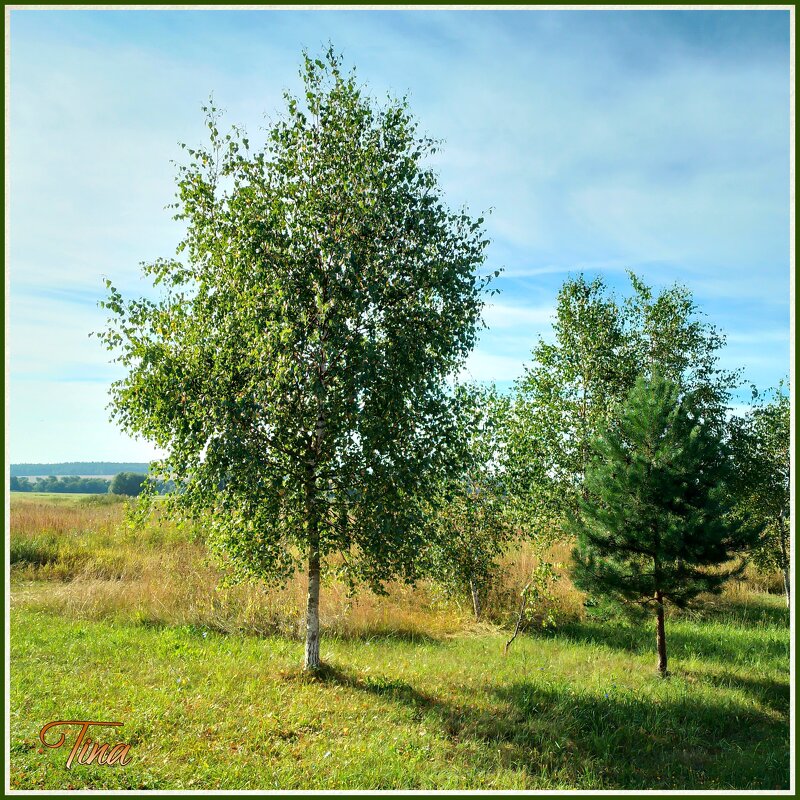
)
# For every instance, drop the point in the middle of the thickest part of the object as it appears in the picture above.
(761, 490)
(472, 527)
(574, 383)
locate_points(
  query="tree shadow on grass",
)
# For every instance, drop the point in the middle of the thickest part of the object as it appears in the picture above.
(769, 693)
(630, 742)
(384, 636)
(681, 643)
(372, 684)
(754, 611)
(558, 737)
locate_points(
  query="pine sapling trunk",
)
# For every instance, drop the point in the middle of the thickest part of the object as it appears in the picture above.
(311, 660)
(661, 640)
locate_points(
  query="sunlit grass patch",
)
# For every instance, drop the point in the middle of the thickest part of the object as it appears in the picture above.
(131, 625)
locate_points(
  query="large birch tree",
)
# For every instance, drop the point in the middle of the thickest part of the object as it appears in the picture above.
(294, 367)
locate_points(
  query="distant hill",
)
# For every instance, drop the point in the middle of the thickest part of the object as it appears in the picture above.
(77, 468)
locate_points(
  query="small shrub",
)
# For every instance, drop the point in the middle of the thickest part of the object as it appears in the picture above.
(94, 500)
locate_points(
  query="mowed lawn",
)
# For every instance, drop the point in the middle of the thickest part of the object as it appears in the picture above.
(579, 708)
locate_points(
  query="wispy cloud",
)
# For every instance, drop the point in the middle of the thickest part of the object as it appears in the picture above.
(656, 141)
(759, 337)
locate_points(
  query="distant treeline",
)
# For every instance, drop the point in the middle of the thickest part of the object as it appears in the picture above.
(125, 483)
(77, 468)
(69, 484)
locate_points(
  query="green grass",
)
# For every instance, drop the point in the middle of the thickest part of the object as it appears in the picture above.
(578, 708)
(67, 498)
(113, 623)
(70, 498)
(59, 498)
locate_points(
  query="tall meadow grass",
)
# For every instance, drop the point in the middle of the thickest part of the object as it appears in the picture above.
(83, 560)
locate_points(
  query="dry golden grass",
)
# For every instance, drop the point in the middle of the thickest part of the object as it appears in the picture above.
(82, 560)
(181, 590)
(33, 516)
(85, 562)
(564, 600)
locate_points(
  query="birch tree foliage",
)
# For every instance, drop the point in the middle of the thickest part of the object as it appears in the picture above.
(472, 526)
(294, 367)
(575, 382)
(562, 399)
(667, 333)
(760, 442)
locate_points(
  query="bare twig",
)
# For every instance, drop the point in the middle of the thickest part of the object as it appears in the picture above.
(522, 606)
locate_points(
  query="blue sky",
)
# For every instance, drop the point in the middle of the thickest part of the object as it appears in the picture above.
(656, 141)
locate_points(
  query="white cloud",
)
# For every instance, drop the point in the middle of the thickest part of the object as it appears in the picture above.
(70, 424)
(49, 340)
(759, 337)
(503, 315)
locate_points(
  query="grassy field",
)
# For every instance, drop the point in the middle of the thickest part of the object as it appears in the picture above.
(113, 624)
(60, 498)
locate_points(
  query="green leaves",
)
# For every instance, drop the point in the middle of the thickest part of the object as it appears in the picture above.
(295, 364)
(574, 384)
(563, 398)
(760, 488)
(470, 524)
